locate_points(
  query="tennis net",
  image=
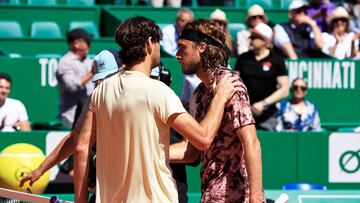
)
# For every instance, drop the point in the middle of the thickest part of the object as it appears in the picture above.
(12, 196)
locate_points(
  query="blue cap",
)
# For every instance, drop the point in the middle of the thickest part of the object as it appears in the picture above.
(155, 72)
(105, 63)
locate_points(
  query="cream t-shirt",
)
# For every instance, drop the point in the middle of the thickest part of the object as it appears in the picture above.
(133, 139)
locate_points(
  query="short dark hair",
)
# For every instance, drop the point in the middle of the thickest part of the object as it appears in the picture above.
(78, 33)
(132, 35)
(5, 76)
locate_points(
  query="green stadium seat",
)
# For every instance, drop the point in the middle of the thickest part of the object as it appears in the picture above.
(135, 2)
(263, 3)
(284, 4)
(115, 2)
(194, 3)
(14, 2)
(14, 55)
(58, 56)
(88, 26)
(9, 29)
(11, 2)
(42, 2)
(237, 4)
(234, 28)
(45, 29)
(81, 2)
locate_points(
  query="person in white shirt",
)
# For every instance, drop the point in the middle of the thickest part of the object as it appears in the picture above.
(340, 43)
(74, 75)
(300, 37)
(13, 115)
(171, 32)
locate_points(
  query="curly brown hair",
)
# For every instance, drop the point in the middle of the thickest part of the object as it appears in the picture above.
(213, 56)
(132, 35)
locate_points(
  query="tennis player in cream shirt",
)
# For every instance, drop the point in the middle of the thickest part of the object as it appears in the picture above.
(132, 115)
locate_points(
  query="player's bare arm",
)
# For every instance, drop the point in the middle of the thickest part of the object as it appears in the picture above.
(252, 149)
(202, 134)
(84, 142)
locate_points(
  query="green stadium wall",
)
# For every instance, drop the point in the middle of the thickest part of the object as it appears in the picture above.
(333, 86)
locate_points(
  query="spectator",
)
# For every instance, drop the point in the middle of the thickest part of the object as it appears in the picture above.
(255, 16)
(74, 75)
(208, 2)
(354, 10)
(171, 32)
(219, 17)
(13, 115)
(293, 38)
(340, 43)
(320, 10)
(298, 114)
(264, 74)
(160, 3)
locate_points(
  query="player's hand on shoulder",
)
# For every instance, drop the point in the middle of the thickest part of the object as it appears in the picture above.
(227, 86)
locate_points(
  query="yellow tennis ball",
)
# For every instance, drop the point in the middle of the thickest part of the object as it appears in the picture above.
(18, 160)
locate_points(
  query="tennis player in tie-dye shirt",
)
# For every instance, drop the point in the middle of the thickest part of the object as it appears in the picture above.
(231, 166)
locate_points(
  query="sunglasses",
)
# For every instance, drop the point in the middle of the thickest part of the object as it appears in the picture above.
(261, 17)
(344, 20)
(299, 87)
(220, 22)
(300, 10)
(252, 37)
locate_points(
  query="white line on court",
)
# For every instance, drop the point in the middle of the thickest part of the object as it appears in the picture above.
(300, 197)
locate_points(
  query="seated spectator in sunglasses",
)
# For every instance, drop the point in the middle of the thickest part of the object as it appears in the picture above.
(255, 16)
(219, 17)
(298, 114)
(300, 37)
(320, 10)
(340, 43)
